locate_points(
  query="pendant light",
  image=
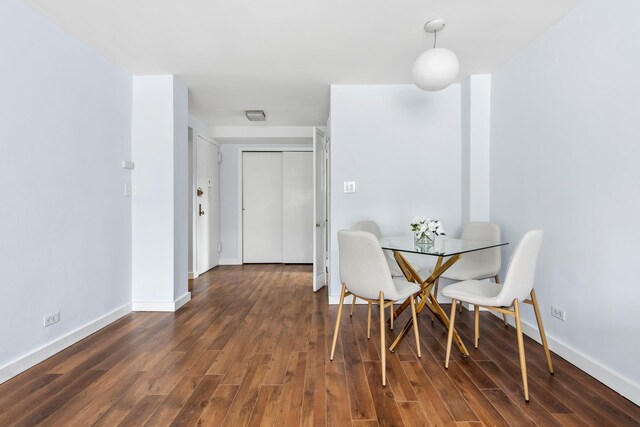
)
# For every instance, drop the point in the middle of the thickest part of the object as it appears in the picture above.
(436, 68)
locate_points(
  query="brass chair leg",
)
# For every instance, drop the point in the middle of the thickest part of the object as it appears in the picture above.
(504, 316)
(415, 325)
(391, 319)
(383, 350)
(477, 323)
(523, 362)
(353, 305)
(435, 295)
(543, 336)
(369, 321)
(452, 319)
(335, 331)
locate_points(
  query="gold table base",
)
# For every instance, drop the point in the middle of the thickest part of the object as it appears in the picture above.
(427, 298)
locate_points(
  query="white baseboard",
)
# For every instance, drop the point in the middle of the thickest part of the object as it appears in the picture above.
(193, 275)
(185, 298)
(31, 359)
(229, 261)
(168, 306)
(607, 376)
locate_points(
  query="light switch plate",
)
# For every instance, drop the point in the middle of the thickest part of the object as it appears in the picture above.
(127, 164)
(349, 186)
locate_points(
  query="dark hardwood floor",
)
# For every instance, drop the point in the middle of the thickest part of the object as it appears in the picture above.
(252, 348)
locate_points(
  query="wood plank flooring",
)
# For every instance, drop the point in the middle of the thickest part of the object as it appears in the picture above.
(252, 349)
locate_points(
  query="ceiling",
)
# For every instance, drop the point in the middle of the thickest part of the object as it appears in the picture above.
(282, 55)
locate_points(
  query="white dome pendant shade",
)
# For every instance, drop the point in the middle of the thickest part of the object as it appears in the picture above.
(436, 68)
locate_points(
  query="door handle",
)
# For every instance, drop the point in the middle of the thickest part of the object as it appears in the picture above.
(200, 211)
(318, 225)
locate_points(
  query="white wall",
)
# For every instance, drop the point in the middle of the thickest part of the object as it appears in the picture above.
(402, 147)
(229, 188)
(564, 158)
(65, 225)
(180, 189)
(160, 202)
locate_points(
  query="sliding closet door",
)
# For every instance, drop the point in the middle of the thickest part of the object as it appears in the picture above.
(262, 207)
(297, 207)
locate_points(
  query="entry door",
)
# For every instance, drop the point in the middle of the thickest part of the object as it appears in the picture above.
(262, 207)
(207, 204)
(319, 209)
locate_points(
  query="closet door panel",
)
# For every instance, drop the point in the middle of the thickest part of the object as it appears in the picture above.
(297, 207)
(262, 207)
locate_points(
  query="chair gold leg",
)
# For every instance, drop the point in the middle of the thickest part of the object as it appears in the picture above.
(335, 331)
(415, 325)
(452, 319)
(353, 305)
(460, 308)
(383, 349)
(523, 362)
(391, 311)
(369, 321)
(543, 336)
(504, 316)
(477, 323)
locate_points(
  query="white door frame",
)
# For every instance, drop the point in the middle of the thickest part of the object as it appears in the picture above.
(256, 148)
(325, 226)
(194, 215)
(193, 220)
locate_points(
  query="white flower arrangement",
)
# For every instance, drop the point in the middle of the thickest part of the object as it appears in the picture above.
(425, 228)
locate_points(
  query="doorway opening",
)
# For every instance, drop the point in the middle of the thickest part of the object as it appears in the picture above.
(204, 204)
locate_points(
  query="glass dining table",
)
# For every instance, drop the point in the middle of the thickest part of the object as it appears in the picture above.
(448, 251)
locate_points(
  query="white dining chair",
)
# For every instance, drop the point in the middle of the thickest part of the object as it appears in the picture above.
(365, 274)
(477, 265)
(373, 228)
(517, 288)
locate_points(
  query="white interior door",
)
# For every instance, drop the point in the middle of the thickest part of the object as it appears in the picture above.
(202, 231)
(207, 206)
(297, 207)
(319, 210)
(261, 207)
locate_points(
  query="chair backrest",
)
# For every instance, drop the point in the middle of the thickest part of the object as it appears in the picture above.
(490, 259)
(522, 269)
(372, 227)
(363, 267)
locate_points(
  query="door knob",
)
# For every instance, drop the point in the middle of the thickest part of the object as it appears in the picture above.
(317, 225)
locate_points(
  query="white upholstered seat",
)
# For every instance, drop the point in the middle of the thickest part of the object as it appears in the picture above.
(474, 292)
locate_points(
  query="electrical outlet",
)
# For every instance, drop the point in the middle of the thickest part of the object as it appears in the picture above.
(557, 312)
(349, 186)
(51, 319)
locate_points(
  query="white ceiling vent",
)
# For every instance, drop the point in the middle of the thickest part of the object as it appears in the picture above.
(256, 115)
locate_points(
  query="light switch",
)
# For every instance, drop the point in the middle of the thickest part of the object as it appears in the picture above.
(349, 186)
